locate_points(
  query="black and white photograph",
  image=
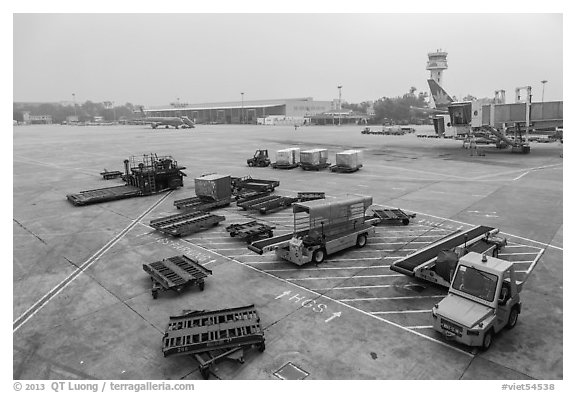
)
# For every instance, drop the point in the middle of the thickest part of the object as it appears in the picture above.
(309, 194)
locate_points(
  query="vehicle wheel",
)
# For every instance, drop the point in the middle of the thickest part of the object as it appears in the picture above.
(405, 221)
(250, 164)
(154, 294)
(513, 318)
(261, 347)
(487, 342)
(319, 255)
(270, 234)
(361, 241)
(205, 372)
(201, 285)
(232, 234)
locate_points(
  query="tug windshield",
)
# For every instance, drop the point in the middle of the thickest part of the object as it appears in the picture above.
(475, 282)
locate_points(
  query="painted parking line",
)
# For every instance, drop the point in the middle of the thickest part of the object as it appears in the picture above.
(22, 319)
(400, 312)
(366, 287)
(327, 268)
(516, 253)
(420, 327)
(343, 277)
(371, 299)
(403, 243)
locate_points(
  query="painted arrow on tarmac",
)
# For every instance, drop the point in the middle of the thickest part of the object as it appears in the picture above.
(283, 294)
(336, 314)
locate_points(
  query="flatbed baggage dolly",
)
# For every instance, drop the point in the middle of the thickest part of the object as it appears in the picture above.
(107, 175)
(247, 195)
(184, 224)
(211, 336)
(176, 273)
(250, 231)
(395, 216)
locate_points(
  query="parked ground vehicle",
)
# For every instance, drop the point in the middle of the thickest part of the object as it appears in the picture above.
(260, 159)
(322, 228)
(483, 299)
(146, 175)
(176, 273)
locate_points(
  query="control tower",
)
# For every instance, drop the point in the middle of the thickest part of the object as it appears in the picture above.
(436, 64)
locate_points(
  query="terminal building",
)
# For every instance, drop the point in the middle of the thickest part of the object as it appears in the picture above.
(295, 111)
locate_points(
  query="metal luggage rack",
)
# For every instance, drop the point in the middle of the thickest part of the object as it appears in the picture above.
(184, 224)
(176, 273)
(344, 169)
(396, 216)
(250, 231)
(107, 175)
(271, 203)
(211, 336)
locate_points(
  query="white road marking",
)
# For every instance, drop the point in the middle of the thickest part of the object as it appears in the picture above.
(517, 253)
(327, 268)
(44, 300)
(369, 299)
(366, 286)
(401, 312)
(420, 327)
(343, 277)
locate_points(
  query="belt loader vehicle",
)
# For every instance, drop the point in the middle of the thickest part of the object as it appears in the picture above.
(322, 228)
(146, 175)
(483, 299)
(437, 262)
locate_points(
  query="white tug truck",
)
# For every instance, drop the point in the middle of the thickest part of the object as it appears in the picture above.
(322, 227)
(484, 298)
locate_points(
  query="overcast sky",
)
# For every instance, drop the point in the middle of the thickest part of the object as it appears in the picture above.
(153, 59)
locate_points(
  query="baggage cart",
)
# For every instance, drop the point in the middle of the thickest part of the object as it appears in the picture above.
(107, 175)
(395, 216)
(211, 336)
(248, 183)
(250, 231)
(184, 224)
(103, 195)
(201, 203)
(176, 274)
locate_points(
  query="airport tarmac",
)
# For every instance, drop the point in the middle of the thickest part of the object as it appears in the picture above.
(82, 304)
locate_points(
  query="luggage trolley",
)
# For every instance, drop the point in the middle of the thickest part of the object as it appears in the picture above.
(250, 231)
(176, 273)
(211, 336)
(395, 216)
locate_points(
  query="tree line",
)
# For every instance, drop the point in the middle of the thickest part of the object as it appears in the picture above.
(85, 111)
(395, 109)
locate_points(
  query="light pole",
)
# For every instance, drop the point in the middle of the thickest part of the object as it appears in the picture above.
(74, 100)
(543, 84)
(339, 104)
(242, 113)
(114, 111)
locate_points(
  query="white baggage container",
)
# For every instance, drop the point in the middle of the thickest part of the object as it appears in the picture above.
(314, 156)
(349, 159)
(288, 156)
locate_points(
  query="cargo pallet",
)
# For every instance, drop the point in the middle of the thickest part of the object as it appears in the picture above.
(393, 216)
(201, 203)
(271, 203)
(107, 175)
(184, 224)
(276, 165)
(248, 183)
(250, 231)
(176, 273)
(314, 167)
(344, 169)
(211, 336)
(245, 196)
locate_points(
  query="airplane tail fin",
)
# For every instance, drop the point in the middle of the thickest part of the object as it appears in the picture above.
(441, 98)
(141, 110)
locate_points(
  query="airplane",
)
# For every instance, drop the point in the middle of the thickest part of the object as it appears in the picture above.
(440, 97)
(174, 121)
